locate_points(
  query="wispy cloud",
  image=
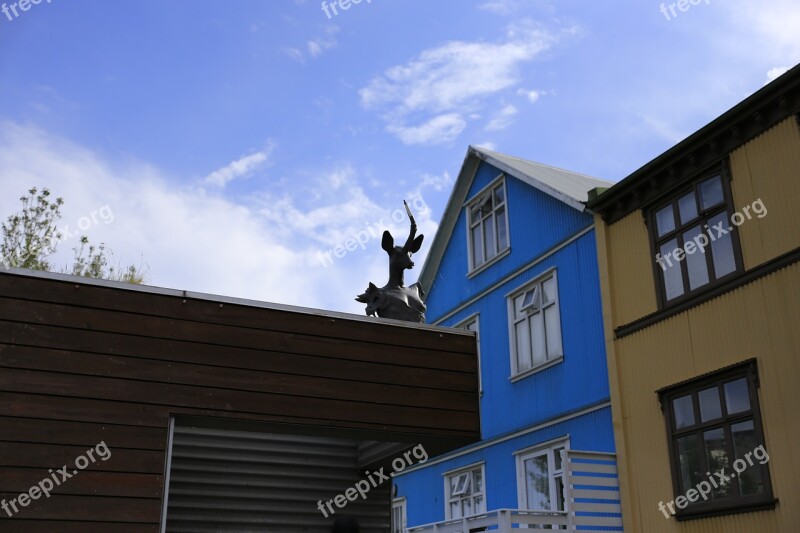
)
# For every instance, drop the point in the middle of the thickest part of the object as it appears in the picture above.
(532, 95)
(244, 166)
(432, 93)
(502, 119)
(440, 129)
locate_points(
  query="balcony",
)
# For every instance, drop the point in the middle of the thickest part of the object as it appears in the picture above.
(591, 491)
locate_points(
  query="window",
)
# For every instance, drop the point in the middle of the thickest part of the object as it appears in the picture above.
(695, 243)
(540, 478)
(714, 424)
(399, 515)
(471, 324)
(488, 225)
(465, 492)
(535, 325)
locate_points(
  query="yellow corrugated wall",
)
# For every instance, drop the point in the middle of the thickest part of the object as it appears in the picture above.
(761, 320)
(768, 168)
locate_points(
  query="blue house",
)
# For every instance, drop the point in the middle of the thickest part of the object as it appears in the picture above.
(515, 261)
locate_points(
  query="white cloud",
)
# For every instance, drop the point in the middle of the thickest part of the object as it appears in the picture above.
(317, 46)
(532, 95)
(775, 73)
(505, 7)
(293, 53)
(241, 167)
(438, 130)
(193, 239)
(451, 79)
(502, 119)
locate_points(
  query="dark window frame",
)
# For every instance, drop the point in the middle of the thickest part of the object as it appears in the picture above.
(723, 171)
(732, 504)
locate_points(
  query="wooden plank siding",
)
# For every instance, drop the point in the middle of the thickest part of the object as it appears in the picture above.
(83, 362)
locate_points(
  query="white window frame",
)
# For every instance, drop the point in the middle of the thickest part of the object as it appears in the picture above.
(400, 503)
(466, 470)
(474, 201)
(464, 324)
(548, 449)
(516, 374)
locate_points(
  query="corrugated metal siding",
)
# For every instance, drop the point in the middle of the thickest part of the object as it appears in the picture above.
(537, 222)
(633, 291)
(767, 168)
(578, 381)
(758, 320)
(238, 481)
(424, 488)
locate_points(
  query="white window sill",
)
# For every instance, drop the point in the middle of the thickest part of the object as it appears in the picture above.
(474, 272)
(536, 369)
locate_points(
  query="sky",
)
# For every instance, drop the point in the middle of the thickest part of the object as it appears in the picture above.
(229, 147)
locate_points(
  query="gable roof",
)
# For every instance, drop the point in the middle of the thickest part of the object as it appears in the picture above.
(568, 187)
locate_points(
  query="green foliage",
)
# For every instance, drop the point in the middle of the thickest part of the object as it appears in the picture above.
(30, 237)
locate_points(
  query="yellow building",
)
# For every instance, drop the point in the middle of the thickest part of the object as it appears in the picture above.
(698, 254)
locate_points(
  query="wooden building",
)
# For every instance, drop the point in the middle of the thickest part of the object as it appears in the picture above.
(698, 254)
(177, 411)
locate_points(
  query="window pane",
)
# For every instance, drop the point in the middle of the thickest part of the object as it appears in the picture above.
(553, 327)
(538, 483)
(560, 493)
(502, 235)
(689, 462)
(549, 290)
(477, 480)
(488, 232)
(499, 195)
(673, 280)
(529, 296)
(467, 507)
(558, 458)
(477, 246)
(710, 407)
(687, 207)
(684, 411)
(722, 246)
(665, 220)
(486, 207)
(475, 215)
(455, 509)
(711, 192)
(696, 261)
(480, 505)
(537, 339)
(737, 396)
(523, 346)
(717, 458)
(744, 441)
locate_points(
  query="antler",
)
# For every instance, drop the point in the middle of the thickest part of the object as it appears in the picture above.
(413, 232)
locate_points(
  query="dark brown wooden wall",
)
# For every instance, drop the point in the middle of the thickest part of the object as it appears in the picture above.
(82, 363)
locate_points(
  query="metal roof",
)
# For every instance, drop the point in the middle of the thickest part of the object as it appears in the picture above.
(569, 187)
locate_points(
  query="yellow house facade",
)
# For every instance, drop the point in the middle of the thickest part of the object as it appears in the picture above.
(698, 253)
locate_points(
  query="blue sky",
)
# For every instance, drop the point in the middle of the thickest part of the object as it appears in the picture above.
(238, 142)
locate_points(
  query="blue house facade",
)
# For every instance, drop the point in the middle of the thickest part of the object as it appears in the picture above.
(515, 261)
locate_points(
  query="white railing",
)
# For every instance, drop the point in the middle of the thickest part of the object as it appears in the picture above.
(591, 487)
(501, 520)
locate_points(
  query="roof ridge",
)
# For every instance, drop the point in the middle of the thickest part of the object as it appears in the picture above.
(551, 167)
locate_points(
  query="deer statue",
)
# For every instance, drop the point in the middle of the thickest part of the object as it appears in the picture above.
(395, 300)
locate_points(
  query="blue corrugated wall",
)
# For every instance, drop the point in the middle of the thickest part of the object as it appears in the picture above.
(537, 223)
(424, 488)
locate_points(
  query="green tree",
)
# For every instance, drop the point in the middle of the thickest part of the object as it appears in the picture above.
(30, 237)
